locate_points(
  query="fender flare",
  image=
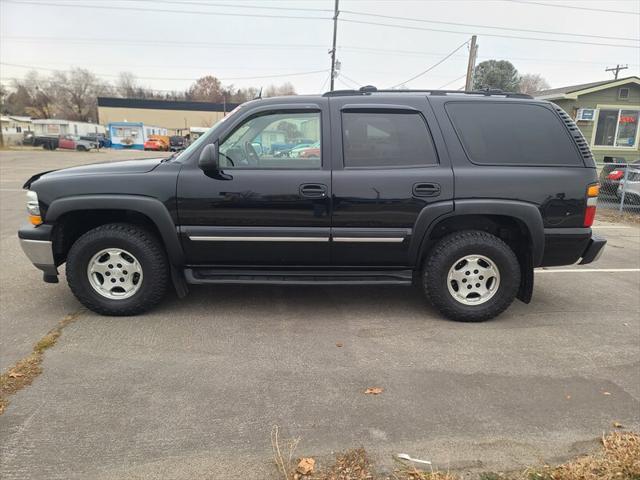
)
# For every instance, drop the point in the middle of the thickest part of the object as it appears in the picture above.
(152, 208)
(527, 213)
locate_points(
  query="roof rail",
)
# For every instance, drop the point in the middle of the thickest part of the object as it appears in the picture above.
(369, 89)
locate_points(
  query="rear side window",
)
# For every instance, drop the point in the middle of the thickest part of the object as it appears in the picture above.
(512, 134)
(386, 139)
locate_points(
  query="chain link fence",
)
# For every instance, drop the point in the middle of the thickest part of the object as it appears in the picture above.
(620, 186)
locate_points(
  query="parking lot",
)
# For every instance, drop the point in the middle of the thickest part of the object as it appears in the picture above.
(193, 388)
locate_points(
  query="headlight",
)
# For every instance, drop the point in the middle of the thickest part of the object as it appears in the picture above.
(33, 208)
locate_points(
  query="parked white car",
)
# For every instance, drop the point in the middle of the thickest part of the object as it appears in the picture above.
(632, 184)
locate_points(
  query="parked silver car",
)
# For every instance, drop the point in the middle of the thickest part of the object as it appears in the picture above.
(630, 186)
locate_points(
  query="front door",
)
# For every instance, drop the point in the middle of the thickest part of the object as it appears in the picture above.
(270, 203)
(387, 173)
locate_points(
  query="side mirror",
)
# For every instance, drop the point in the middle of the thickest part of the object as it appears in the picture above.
(208, 160)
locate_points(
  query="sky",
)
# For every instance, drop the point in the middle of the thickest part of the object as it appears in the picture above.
(168, 44)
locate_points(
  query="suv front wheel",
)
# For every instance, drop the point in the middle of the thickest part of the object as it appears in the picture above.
(117, 269)
(471, 276)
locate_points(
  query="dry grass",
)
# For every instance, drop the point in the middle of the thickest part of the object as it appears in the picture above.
(26, 370)
(614, 216)
(350, 465)
(619, 459)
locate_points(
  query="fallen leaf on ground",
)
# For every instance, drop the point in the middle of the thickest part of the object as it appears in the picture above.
(338, 344)
(568, 397)
(305, 466)
(606, 393)
(374, 390)
(618, 425)
(15, 375)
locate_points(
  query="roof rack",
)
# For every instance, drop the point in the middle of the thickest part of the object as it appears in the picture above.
(369, 89)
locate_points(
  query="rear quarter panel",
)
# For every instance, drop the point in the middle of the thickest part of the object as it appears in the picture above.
(558, 192)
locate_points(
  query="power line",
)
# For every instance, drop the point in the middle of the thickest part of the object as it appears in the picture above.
(432, 66)
(159, 10)
(452, 81)
(486, 26)
(359, 84)
(419, 53)
(35, 67)
(410, 27)
(346, 48)
(573, 7)
(362, 50)
(230, 5)
(325, 82)
(104, 40)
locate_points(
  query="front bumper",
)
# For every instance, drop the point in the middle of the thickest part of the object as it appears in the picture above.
(594, 250)
(37, 245)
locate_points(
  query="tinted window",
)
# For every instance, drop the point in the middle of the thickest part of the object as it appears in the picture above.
(274, 140)
(386, 140)
(512, 134)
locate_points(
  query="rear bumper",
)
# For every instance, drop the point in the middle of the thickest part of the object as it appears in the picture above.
(567, 246)
(37, 245)
(594, 250)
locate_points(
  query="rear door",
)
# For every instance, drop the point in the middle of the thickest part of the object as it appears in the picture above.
(390, 165)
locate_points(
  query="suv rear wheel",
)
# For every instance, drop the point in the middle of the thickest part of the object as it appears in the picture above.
(471, 276)
(117, 269)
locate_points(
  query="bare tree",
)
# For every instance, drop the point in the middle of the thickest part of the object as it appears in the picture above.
(76, 93)
(532, 82)
(126, 85)
(280, 90)
(206, 89)
(39, 90)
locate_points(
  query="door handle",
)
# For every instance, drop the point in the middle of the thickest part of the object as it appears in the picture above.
(313, 190)
(426, 189)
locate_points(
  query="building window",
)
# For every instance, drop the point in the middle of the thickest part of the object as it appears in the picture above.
(623, 94)
(617, 128)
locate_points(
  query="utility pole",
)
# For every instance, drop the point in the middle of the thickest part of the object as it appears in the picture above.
(473, 51)
(333, 49)
(616, 70)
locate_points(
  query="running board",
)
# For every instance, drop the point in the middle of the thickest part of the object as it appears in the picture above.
(196, 276)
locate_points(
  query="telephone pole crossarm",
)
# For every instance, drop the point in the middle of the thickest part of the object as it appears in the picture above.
(616, 70)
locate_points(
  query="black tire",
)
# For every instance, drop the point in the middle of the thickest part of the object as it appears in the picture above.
(81, 148)
(444, 255)
(140, 243)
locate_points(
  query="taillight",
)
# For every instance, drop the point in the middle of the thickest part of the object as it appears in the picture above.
(592, 200)
(615, 175)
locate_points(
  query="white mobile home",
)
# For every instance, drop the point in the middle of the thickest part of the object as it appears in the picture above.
(53, 127)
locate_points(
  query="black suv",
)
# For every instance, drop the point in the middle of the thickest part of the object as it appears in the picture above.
(463, 193)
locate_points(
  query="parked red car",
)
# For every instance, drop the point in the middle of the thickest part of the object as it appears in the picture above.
(71, 142)
(156, 144)
(312, 152)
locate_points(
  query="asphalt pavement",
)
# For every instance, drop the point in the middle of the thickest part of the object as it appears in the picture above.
(193, 388)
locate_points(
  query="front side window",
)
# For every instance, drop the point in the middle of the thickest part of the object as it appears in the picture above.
(616, 128)
(274, 140)
(386, 139)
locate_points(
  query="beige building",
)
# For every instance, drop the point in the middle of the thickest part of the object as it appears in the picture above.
(176, 116)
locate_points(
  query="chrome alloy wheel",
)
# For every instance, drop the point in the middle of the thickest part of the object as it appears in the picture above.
(473, 280)
(115, 273)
